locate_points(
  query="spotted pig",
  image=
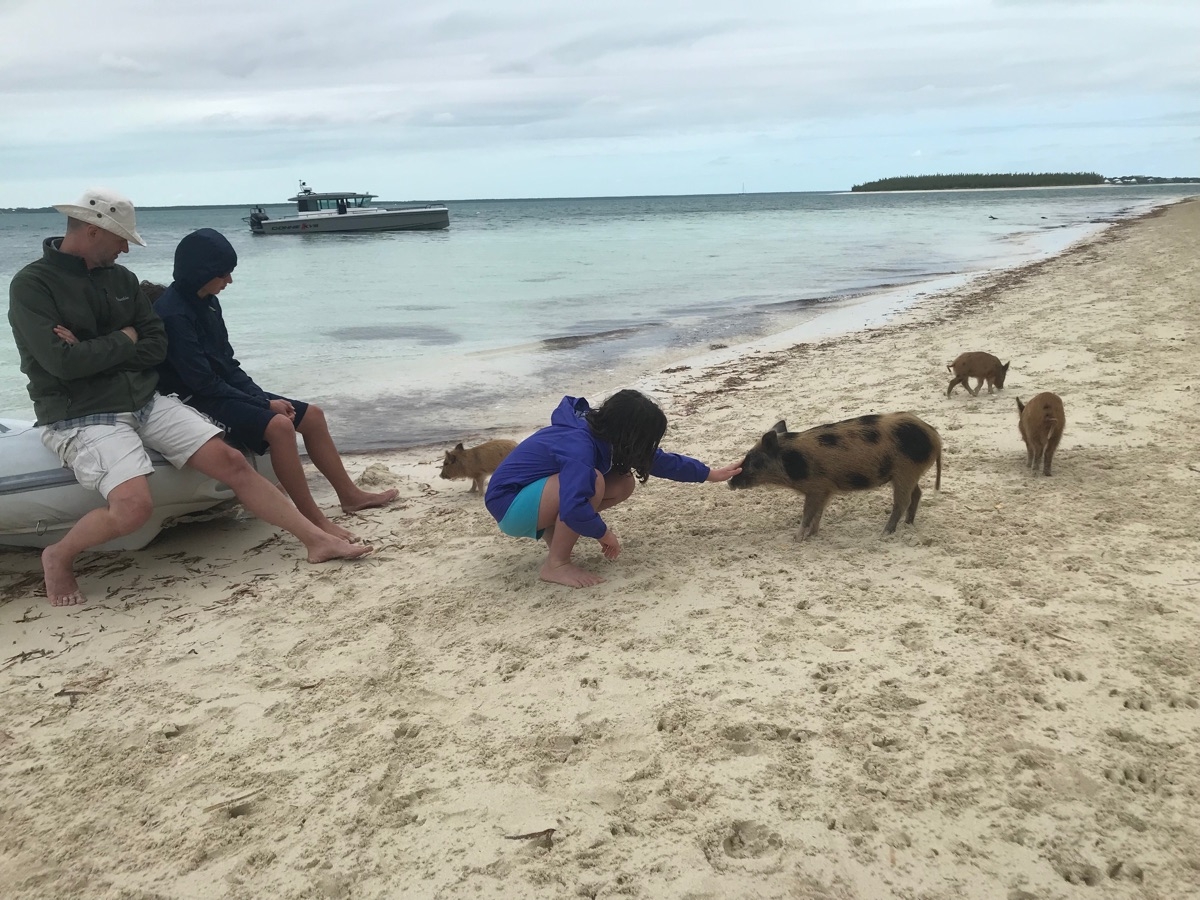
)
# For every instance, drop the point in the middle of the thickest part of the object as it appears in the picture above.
(853, 455)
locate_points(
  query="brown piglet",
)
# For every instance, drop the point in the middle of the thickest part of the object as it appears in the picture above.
(1042, 420)
(853, 455)
(476, 462)
(980, 366)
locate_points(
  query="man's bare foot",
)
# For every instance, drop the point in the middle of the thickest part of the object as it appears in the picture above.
(568, 574)
(366, 500)
(336, 548)
(61, 587)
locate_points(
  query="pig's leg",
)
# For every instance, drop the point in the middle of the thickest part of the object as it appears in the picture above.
(912, 504)
(956, 380)
(814, 505)
(989, 383)
(1028, 452)
(1051, 446)
(978, 387)
(901, 496)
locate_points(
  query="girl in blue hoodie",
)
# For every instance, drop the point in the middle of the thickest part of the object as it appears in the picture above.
(554, 485)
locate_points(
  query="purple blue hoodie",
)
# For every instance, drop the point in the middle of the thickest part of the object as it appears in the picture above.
(568, 448)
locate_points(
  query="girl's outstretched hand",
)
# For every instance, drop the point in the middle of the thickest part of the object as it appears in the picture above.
(610, 544)
(724, 473)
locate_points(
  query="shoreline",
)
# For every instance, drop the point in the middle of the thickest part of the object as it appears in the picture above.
(1001, 700)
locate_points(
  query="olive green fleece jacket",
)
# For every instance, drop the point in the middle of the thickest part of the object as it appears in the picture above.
(105, 372)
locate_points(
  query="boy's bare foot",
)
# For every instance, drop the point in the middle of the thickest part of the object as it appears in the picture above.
(336, 548)
(568, 574)
(61, 587)
(330, 527)
(366, 500)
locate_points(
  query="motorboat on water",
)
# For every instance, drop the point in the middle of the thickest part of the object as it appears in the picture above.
(339, 211)
(40, 499)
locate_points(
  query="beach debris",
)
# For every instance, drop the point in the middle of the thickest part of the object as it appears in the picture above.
(166, 729)
(235, 805)
(28, 618)
(541, 838)
(25, 656)
(71, 694)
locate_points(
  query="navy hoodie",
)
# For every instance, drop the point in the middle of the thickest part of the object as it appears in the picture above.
(200, 361)
(569, 449)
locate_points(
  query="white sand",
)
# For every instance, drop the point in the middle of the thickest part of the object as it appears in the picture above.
(999, 702)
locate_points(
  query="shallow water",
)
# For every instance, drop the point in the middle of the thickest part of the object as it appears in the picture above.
(425, 337)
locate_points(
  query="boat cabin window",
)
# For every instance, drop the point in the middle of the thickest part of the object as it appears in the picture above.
(315, 204)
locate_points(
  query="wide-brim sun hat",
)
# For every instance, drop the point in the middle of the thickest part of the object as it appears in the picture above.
(105, 209)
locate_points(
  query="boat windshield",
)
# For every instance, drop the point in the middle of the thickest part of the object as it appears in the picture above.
(335, 203)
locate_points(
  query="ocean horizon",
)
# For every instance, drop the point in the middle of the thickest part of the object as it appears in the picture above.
(425, 338)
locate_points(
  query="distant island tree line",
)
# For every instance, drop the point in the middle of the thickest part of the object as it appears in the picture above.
(969, 181)
(962, 181)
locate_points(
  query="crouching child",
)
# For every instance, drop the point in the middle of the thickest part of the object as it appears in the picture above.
(555, 484)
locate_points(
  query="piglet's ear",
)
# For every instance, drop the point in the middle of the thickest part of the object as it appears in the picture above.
(770, 441)
(458, 446)
(1020, 406)
(780, 427)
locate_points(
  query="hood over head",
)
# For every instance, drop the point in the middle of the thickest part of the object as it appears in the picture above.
(571, 412)
(200, 257)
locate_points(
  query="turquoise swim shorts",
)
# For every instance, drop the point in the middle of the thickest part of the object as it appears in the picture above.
(522, 516)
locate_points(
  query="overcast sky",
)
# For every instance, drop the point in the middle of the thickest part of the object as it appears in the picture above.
(233, 102)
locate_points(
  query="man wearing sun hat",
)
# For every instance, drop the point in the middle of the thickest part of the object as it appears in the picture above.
(89, 343)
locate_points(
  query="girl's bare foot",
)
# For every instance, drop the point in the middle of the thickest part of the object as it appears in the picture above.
(61, 587)
(568, 574)
(365, 500)
(336, 548)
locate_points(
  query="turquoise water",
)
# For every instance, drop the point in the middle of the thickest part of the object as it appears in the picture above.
(418, 338)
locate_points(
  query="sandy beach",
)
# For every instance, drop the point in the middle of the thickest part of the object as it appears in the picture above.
(1002, 701)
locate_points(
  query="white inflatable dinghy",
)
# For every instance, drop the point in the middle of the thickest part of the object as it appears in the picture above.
(40, 500)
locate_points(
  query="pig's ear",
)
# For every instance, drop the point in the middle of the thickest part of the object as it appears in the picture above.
(458, 446)
(770, 442)
(1007, 364)
(781, 427)
(1020, 406)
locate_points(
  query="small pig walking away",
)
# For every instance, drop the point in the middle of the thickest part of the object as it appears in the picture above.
(476, 462)
(1041, 423)
(853, 455)
(980, 366)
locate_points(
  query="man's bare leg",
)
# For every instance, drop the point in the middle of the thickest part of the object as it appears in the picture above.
(285, 460)
(318, 442)
(129, 508)
(218, 460)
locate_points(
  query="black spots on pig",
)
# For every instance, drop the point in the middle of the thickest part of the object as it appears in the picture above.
(869, 419)
(885, 469)
(870, 435)
(795, 464)
(912, 441)
(828, 438)
(854, 481)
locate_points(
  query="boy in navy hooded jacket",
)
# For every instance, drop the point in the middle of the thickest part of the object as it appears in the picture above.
(200, 367)
(554, 485)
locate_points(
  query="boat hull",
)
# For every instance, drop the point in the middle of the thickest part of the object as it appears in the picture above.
(40, 500)
(432, 218)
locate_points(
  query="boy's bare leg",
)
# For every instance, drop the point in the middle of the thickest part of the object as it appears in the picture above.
(218, 460)
(285, 460)
(324, 454)
(129, 508)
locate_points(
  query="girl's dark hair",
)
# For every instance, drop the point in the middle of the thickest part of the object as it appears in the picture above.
(634, 425)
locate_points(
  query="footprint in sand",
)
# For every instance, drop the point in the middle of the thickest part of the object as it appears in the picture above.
(1138, 703)
(1138, 779)
(1121, 870)
(1081, 873)
(1177, 701)
(749, 840)
(1069, 675)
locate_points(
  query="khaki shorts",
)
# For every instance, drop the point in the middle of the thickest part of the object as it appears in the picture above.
(104, 456)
